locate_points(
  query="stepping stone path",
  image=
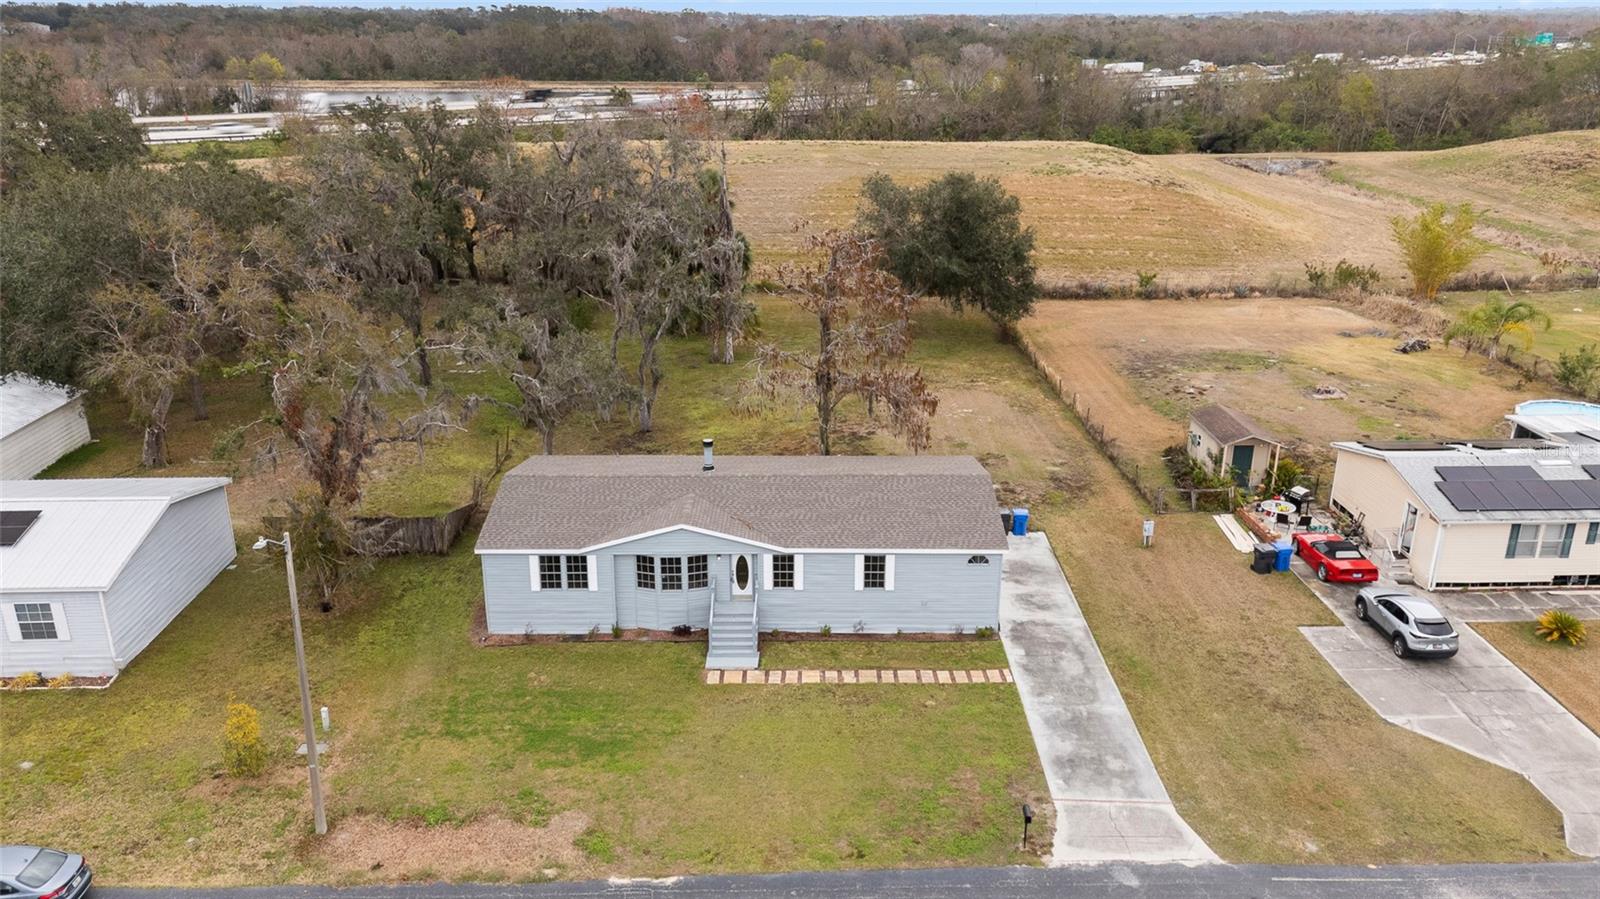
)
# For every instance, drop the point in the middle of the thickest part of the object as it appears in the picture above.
(861, 676)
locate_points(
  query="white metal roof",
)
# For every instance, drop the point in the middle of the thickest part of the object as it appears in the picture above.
(1419, 469)
(87, 530)
(25, 399)
(1567, 421)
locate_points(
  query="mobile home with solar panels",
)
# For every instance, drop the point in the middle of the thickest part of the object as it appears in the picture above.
(1478, 514)
(91, 571)
(742, 546)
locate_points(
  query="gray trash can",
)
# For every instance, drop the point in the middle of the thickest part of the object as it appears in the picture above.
(1264, 557)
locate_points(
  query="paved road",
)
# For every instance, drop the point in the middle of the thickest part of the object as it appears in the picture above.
(1109, 801)
(1551, 881)
(1477, 702)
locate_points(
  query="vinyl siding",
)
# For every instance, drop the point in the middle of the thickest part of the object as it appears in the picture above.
(1476, 554)
(1369, 486)
(36, 446)
(666, 609)
(189, 545)
(512, 606)
(86, 653)
(933, 593)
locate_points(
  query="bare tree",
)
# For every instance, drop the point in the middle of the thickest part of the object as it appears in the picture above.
(863, 335)
(728, 312)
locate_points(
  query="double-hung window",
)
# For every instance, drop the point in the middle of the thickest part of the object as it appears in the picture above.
(577, 573)
(549, 572)
(1594, 533)
(671, 573)
(1550, 541)
(699, 572)
(874, 572)
(35, 621)
(783, 571)
(644, 572)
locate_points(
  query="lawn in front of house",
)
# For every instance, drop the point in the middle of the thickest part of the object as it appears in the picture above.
(1569, 673)
(601, 758)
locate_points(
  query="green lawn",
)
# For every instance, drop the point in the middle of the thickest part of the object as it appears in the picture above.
(1574, 317)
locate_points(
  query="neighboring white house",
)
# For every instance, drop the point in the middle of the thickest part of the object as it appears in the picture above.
(1226, 441)
(1494, 513)
(92, 570)
(40, 422)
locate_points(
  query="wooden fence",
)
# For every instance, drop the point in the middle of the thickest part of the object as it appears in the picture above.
(396, 536)
(1130, 470)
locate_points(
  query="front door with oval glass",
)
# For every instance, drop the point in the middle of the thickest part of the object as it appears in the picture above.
(743, 576)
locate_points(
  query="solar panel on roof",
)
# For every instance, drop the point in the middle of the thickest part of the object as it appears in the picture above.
(1593, 471)
(1486, 473)
(1578, 494)
(1544, 495)
(1460, 496)
(14, 523)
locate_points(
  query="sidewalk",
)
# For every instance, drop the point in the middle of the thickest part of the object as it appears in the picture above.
(1110, 803)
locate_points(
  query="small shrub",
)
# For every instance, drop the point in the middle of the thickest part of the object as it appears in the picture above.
(1361, 277)
(984, 633)
(616, 632)
(61, 680)
(1579, 370)
(859, 627)
(960, 630)
(1317, 275)
(682, 630)
(243, 752)
(1556, 626)
(25, 681)
(1147, 283)
(826, 631)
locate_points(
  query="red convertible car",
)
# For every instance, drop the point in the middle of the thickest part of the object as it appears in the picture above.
(1334, 558)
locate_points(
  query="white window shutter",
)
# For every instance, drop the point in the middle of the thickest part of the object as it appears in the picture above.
(861, 571)
(533, 572)
(13, 632)
(592, 564)
(799, 572)
(59, 616)
(888, 572)
(766, 571)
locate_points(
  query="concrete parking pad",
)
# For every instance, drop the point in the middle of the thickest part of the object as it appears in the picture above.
(1478, 702)
(1109, 801)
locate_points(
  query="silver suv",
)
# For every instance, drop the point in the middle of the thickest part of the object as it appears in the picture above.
(1411, 624)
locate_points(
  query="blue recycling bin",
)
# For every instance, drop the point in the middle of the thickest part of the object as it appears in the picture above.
(1285, 553)
(1019, 522)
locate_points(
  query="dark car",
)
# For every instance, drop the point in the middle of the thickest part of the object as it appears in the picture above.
(33, 872)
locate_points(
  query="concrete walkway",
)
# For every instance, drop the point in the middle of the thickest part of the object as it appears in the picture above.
(1110, 804)
(1478, 702)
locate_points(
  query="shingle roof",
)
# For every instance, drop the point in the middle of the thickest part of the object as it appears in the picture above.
(1229, 425)
(789, 502)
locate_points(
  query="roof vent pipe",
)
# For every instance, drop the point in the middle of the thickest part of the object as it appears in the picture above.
(705, 446)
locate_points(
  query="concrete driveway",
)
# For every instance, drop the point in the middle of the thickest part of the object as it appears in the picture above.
(1478, 702)
(1109, 802)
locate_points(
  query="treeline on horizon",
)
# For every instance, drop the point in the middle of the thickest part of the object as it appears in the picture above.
(1013, 77)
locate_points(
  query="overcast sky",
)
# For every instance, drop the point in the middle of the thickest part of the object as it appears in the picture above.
(969, 7)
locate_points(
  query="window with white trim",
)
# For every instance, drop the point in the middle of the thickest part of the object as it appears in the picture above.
(577, 573)
(783, 571)
(874, 572)
(1594, 533)
(644, 572)
(1549, 541)
(699, 572)
(549, 572)
(671, 573)
(35, 621)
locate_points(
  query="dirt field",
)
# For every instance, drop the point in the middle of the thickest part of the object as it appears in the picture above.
(1100, 213)
(1141, 366)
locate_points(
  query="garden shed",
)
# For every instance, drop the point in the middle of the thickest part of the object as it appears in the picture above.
(40, 421)
(1226, 440)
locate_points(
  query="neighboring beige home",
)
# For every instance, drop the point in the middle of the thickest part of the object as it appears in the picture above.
(1224, 439)
(1481, 514)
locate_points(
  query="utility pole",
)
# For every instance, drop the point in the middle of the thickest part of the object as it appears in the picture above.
(317, 813)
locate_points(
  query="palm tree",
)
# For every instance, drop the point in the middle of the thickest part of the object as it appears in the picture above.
(1493, 320)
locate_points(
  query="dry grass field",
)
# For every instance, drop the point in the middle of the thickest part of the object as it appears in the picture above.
(1570, 673)
(1100, 213)
(1544, 189)
(1140, 366)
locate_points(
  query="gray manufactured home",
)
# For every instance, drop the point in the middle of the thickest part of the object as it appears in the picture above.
(741, 545)
(92, 570)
